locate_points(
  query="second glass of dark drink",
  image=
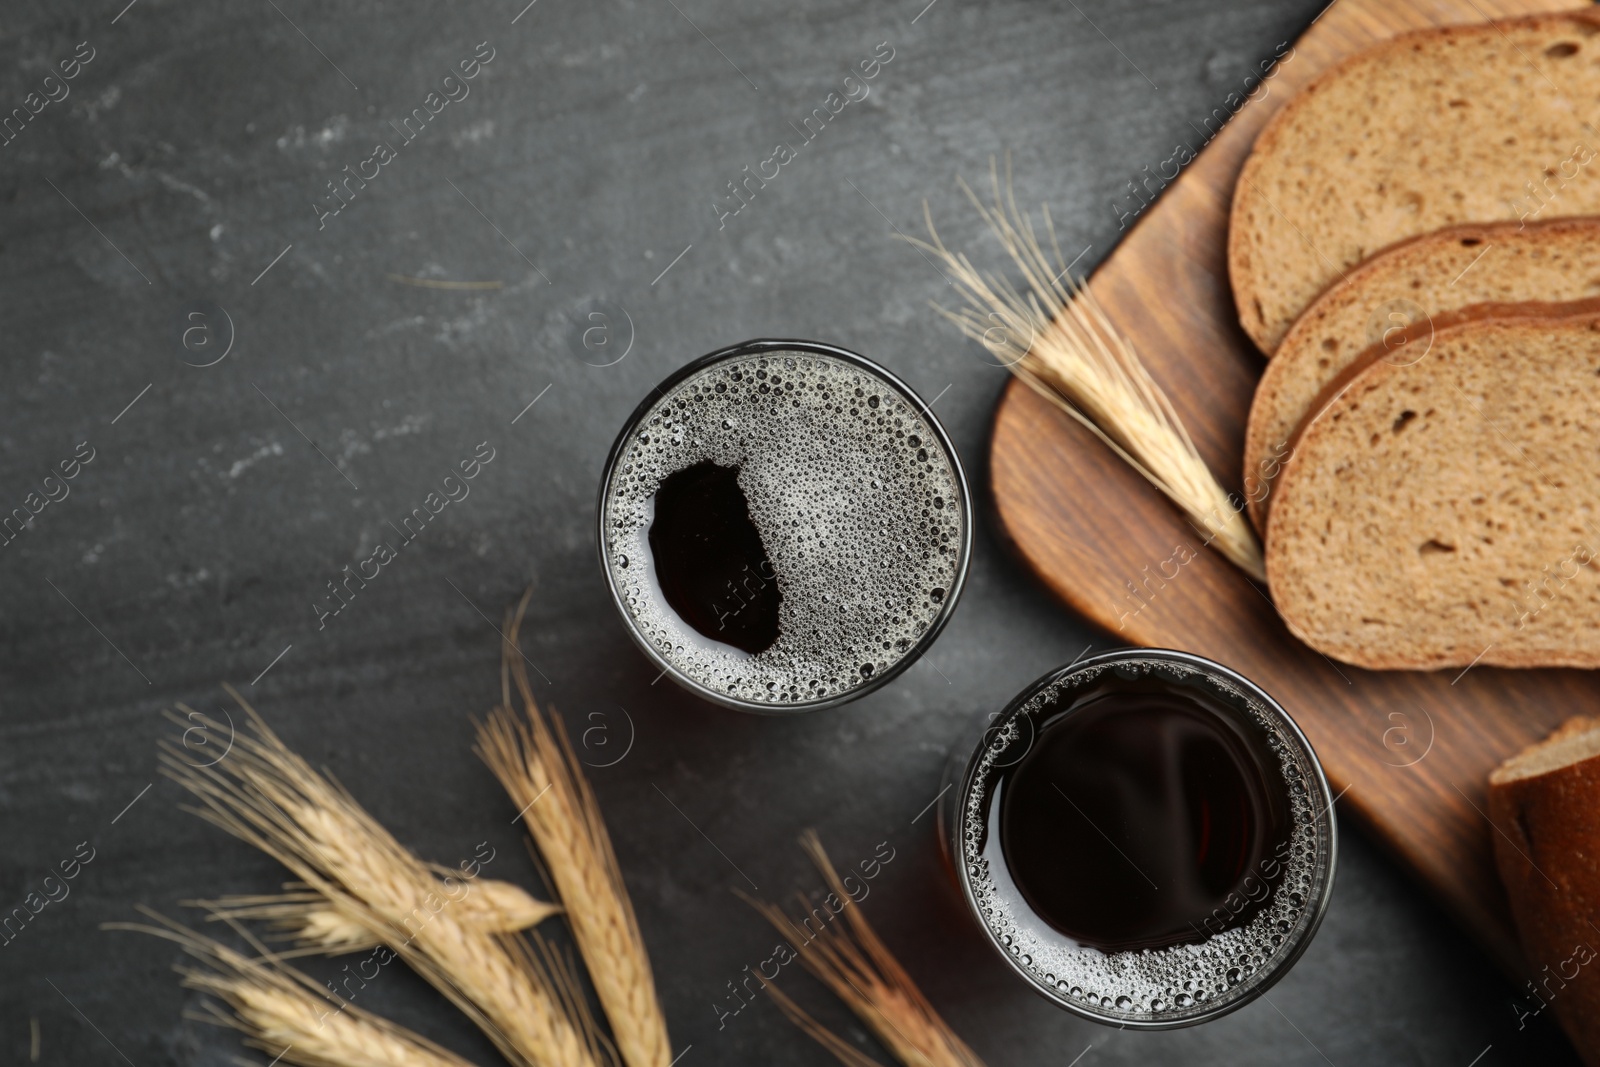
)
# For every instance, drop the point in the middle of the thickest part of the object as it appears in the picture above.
(784, 526)
(1146, 837)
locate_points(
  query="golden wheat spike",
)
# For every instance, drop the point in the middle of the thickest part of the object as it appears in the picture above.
(306, 918)
(852, 961)
(527, 1002)
(533, 759)
(284, 1013)
(1056, 338)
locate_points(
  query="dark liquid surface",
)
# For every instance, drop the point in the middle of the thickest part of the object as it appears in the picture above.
(710, 564)
(1144, 814)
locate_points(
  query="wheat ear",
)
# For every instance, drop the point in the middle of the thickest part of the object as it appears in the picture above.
(862, 972)
(533, 759)
(1057, 339)
(284, 1013)
(305, 917)
(524, 998)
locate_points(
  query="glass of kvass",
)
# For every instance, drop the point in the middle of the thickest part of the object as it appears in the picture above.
(784, 526)
(1145, 836)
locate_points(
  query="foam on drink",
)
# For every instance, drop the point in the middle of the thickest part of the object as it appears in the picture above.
(855, 508)
(1135, 915)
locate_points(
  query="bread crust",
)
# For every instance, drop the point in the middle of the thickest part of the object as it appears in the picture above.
(1247, 195)
(1547, 849)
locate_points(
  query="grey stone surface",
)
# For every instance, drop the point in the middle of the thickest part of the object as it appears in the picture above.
(579, 174)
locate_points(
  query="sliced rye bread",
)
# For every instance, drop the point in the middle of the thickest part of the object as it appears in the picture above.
(1545, 804)
(1446, 512)
(1474, 123)
(1417, 279)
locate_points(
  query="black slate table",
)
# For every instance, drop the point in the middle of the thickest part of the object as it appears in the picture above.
(274, 339)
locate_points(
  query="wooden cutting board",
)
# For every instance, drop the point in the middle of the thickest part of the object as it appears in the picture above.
(1409, 752)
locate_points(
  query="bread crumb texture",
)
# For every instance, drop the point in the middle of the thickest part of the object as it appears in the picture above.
(1443, 512)
(1415, 281)
(1461, 124)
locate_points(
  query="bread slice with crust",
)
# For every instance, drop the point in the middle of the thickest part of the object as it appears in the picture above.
(1545, 804)
(1460, 124)
(1572, 742)
(1446, 512)
(1413, 281)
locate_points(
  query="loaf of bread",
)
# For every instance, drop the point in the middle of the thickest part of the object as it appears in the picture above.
(1461, 124)
(1408, 283)
(1446, 512)
(1545, 806)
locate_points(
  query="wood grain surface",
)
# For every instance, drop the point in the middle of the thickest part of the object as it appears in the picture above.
(1408, 752)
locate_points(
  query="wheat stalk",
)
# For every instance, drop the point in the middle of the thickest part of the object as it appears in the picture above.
(532, 757)
(862, 972)
(525, 999)
(1058, 340)
(305, 916)
(284, 1013)
(842, 1050)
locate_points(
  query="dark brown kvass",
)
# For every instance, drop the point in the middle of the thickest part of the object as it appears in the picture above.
(784, 526)
(710, 564)
(1139, 812)
(1144, 836)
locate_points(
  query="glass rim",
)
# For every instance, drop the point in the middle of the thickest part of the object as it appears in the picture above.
(760, 346)
(1284, 956)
